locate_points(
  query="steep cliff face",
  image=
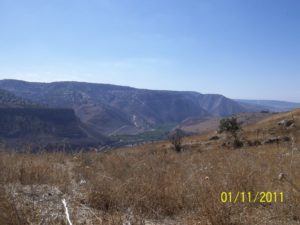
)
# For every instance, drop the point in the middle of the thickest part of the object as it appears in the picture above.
(42, 127)
(24, 122)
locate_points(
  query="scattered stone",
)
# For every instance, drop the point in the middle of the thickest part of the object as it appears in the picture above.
(281, 177)
(214, 138)
(253, 143)
(226, 144)
(292, 126)
(82, 182)
(271, 140)
(285, 139)
(286, 123)
(277, 140)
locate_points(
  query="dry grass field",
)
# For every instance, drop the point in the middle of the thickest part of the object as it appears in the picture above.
(204, 125)
(153, 184)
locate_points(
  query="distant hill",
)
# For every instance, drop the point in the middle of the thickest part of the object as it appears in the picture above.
(45, 127)
(8, 99)
(23, 122)
(271, 105)
(113, 110)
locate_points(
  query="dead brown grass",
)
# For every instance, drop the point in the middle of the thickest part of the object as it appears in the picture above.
(158, 183)
(29, 169)
(154, 183)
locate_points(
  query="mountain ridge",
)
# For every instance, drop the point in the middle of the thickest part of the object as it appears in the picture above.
(271, 105)
(113, 109)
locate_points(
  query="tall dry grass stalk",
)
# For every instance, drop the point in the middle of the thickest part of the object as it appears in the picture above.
(154, 183)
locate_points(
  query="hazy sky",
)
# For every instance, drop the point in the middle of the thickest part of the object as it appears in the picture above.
(239, 48)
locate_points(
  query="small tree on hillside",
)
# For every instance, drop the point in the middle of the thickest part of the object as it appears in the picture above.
(233, 127)
(176, 138)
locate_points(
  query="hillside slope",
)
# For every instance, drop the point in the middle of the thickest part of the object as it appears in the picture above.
(45, 127)
(8, 99)
(112, 109)
(204, 125)
(155, 185)
(23, 122)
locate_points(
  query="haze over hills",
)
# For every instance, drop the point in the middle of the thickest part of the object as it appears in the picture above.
(112, 109)
(272, 105)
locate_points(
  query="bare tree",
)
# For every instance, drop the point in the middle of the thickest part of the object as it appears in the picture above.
(176, 138)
